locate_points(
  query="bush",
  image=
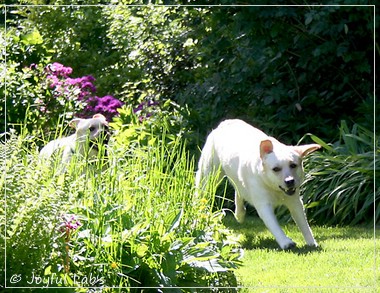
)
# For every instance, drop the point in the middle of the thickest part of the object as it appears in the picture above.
(41, 94)
(339, 186)
(289, 70)
(49, 97)
(153, 122)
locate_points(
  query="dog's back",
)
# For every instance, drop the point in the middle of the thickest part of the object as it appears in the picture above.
(229, 138)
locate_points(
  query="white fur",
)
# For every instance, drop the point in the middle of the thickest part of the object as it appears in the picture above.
(86, 130)
(264, 172)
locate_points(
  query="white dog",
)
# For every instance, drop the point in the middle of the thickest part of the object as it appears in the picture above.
(264, 172)
(83, 142)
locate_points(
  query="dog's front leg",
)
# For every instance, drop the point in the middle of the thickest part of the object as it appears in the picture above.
(298, 214)
(240, 209)
(266, 213)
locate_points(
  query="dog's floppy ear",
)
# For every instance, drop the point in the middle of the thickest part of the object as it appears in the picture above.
(306, 149)
(266, 147)
(74, 123)
(101, 116)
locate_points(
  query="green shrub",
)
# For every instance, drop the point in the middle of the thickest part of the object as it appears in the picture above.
(289, 70)
(340, 182)
(153, 122)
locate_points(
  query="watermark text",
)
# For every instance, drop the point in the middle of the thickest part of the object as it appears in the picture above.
(57, 280)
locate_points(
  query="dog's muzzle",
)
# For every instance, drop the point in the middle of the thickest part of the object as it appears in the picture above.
(289, 191)
(290, 184)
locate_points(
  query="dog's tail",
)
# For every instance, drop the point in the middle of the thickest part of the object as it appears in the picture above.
(208, 164)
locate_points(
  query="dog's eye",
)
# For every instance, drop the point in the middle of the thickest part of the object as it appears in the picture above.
(276, 169)
(293, 166)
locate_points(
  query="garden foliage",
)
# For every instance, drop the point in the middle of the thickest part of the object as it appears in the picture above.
(131, 221)
(289, 70)
(164, 76)
(342, 184)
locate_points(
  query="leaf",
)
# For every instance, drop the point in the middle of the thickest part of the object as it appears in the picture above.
(212, 266)
(321, 143)
(309, 18)
(33, 38)
(47, 271)
(312, 204)
(268, 100)
(345, 29)
(176, 222)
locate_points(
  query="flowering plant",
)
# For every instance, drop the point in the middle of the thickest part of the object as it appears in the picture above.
(145, 109)
(50, 96)
(106, 105)
(80, 92)
(69, 223)
(67, 226)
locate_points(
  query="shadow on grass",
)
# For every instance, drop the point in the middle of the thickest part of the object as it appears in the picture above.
(257, 236)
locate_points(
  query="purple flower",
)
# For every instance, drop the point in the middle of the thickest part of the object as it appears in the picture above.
(106, 105)
(84, 83)
(72, 81)
(81, 89)
(59, 70)
(139, 108)
(88, 85)
(70, 222)
(54, 81)
(88, 78)
(144, 105)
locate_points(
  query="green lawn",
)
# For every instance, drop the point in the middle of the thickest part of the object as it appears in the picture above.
(344, 262)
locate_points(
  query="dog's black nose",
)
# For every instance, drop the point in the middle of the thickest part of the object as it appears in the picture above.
(289, 181)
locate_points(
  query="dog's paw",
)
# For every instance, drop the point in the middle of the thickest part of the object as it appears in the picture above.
(289, 245)
(313, 244)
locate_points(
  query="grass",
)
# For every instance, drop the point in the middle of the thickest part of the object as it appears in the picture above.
(138, 222)
(344, 262)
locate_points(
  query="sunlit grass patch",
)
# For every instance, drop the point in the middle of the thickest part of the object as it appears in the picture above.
(344, 262)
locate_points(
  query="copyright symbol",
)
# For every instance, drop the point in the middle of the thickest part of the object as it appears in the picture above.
(15, 278)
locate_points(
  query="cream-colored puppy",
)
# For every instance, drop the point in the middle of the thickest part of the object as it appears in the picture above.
(85, 139)
(264, 172)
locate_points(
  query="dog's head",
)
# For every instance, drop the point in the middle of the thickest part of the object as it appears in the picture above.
(93, 130)
(283, 164)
